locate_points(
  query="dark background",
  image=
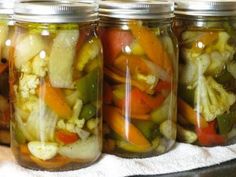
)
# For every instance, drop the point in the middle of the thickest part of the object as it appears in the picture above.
(226, 169)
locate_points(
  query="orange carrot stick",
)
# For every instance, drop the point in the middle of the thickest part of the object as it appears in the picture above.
(124, 128)
(188, 113)
(121, 79)
(55, 99)
(152, 46)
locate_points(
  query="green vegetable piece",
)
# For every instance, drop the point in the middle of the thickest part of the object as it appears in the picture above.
(146, 127)
(19, 136)
(88, 86)
(224, 77)
(185, 135)
(186, 94)
(89, 51)
(168, 129)
(225, 122)
(161, 114)
(87, 112)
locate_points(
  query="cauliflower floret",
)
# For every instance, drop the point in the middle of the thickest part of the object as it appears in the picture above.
(149, 79)
(39, 65)
(28, 84)
(194, 68)
(222, 43)
(211, 98)
(26, 68)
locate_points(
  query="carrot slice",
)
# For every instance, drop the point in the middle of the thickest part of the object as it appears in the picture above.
(188, 113)
(124, 128)
(120, 79)
(3, 67)
(152, 46)
(55, 99)
(134, 62)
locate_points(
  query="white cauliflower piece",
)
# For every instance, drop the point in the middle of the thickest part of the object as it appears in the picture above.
(39, 65)
(28, 84)
(211, 98)
(149, 79)
(190, 72)
(27, 68)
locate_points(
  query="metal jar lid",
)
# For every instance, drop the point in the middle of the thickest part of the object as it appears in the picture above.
(214, 8)
(6, 7)
(136, 9)
(55, 11)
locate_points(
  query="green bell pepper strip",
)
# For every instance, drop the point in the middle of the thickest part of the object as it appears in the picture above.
(88, 86)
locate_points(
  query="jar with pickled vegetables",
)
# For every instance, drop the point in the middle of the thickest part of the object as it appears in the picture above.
(55, 81)
(206, 31)
(6, 33)
(140, 77)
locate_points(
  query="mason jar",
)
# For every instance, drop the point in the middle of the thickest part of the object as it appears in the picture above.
(55, 81)
(6, 33)
(206, 31)
(140, 77)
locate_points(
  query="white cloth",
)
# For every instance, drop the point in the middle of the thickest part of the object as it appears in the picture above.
(183, 157)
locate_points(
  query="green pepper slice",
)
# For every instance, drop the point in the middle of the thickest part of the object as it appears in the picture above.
(88, 86)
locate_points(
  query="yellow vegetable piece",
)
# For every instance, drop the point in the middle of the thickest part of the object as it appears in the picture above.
(88, 52)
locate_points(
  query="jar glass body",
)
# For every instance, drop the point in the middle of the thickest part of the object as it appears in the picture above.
(6, 33)
(207, 91)
(55, 83)
(140, 77)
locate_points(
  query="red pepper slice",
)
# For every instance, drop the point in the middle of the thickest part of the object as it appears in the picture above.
(66, 137)
(208, 136)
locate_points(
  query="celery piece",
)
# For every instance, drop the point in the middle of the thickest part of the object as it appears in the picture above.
(161, 113)
(168, 129)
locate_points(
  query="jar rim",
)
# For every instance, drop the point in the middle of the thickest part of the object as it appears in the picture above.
(45, 11)
(6, 7)
(205, 7)
(136, 10)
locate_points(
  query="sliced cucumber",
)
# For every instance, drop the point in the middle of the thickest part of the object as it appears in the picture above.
(62, 57)
(82, 149)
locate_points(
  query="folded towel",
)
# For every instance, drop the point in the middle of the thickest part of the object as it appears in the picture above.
(183, 157)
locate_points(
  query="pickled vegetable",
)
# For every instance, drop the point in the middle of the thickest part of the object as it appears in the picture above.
(207, 94)
(54, 100)
(139, 91)
(6, 32)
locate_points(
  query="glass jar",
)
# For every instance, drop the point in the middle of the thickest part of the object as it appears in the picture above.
(206, 32)
(140, 70)
(6, 33)
(55, 81)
